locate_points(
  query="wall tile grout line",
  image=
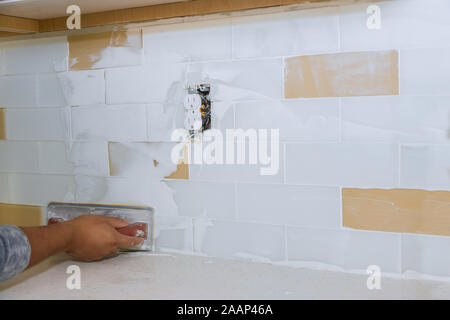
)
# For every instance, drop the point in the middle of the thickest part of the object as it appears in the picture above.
(286, 249)
(236, 207)
(339, 9)
(341, 120)
(399, 165)
(341, 208)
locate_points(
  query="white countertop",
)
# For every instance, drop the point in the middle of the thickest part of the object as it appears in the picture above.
(176, 276)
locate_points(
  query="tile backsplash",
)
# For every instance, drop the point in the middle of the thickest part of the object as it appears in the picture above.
(363, 117)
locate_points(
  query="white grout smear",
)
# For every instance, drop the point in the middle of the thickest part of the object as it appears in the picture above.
(116, 56)
(200, 226)
(140, 168)
(73, 62)
(152, 160)
(251, 257)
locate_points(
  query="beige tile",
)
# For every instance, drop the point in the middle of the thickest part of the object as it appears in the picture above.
(397, 210)
(2, 125)
(105, 49)
(182, 172)
(341, 74)
(20, 215)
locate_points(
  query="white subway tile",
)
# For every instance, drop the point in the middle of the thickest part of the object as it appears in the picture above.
(347, 249)
(289, 204)
(297, 120)
(161, 198)
(425, 166)
(37, 124)
(163, 119)
(83, 87)
(403, 24)
(239, 240)
(272, 172)
(184, 42)
(109, 123)
(155, 82)
(426, 254)
(18, 91)
(112, 190)
(240, 80)
(204, 199)
(35, 55)
(54, 157)
(371, 165)
(49, 91)
(4, 188)
(288, 33)
(130, 191)
(150, 160)
(89, 158)
(36, 189)
(222, 116)
(18, 156)
(396, 119)
(86, 158)
(173, 232)
(425, 71)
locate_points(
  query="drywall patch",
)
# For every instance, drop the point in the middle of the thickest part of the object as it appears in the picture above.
(105, 49)
(341, 75)
(20, 215)
(2, 124)
(397, 210)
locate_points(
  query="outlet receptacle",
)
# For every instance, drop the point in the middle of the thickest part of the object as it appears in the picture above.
(197, 105)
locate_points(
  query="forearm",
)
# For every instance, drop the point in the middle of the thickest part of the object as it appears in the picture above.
(88, 238)
(47, 240)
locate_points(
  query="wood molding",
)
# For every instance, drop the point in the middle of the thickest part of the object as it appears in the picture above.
(7, 34)
(18, 25)
(165, 11)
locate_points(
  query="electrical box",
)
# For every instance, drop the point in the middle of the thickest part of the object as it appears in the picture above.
(197, 106)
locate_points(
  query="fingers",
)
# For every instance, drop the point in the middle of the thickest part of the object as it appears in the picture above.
(115, 222)
(127, 241)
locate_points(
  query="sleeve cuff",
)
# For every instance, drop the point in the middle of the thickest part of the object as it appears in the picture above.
(15, 251)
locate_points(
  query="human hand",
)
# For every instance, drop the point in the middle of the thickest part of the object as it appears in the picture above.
(93, 237)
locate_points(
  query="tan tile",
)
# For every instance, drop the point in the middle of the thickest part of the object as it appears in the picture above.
(2, 125)
(397, 210)
(86, 49)
(182, 172)
(20, 215)
(341, 74)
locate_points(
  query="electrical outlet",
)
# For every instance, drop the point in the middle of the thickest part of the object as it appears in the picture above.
(197, 105)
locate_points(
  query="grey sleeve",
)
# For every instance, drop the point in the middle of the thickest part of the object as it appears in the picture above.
(15, 252)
